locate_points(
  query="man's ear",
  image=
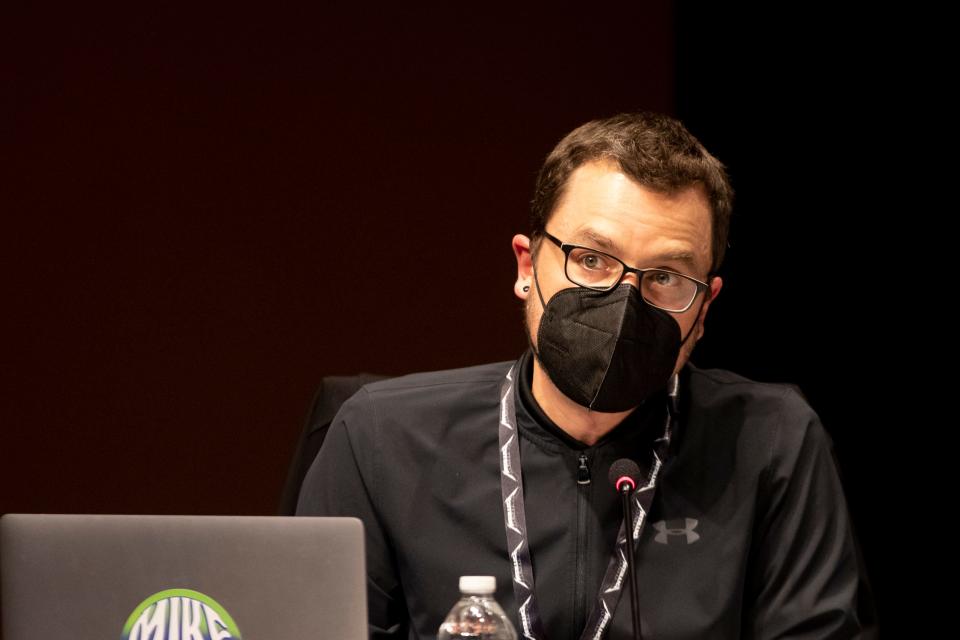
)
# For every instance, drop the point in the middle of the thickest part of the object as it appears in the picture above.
(715, 285)
(521, 249)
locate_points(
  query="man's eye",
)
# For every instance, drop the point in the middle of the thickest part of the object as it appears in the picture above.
(594, 261)
(665, 279)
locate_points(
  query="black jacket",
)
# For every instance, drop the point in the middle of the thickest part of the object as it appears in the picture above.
(748, 534)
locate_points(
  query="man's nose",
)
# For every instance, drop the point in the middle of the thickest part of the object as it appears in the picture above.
(633, 279)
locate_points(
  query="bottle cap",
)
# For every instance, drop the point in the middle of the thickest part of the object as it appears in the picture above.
(478, 585)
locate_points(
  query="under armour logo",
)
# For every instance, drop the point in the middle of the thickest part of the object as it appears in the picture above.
(664, 532)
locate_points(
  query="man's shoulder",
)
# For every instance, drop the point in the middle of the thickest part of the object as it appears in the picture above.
(773, 417)
(429, 395)
(410, 412)
(717, 386)
(425, 380)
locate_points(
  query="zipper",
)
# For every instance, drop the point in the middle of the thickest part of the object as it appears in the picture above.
(579, 597)
(583, 471)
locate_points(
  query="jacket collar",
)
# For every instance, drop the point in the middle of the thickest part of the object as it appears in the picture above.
(643, 425)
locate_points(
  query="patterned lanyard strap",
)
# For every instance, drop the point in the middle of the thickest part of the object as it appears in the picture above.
(515, 520)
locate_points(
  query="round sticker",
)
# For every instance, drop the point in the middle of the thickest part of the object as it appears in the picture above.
(183, 614)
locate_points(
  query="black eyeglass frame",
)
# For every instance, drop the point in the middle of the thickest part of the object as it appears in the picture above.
(567, 247)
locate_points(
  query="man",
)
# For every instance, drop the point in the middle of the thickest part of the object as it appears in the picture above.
(741, 526)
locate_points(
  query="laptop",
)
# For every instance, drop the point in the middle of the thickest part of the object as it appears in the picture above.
(182, 577)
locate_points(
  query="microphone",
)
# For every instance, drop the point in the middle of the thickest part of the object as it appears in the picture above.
(623, 475)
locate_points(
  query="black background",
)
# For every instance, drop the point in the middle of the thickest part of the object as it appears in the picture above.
(207, 210)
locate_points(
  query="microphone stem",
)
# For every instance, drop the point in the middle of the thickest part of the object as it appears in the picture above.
(626, 494)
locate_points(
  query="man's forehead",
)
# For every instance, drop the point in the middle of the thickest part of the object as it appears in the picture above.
(600, 197)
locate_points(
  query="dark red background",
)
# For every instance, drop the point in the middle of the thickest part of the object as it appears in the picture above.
(208, 210)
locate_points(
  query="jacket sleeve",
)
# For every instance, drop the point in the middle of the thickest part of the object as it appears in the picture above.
(806, 578)
(342, 481)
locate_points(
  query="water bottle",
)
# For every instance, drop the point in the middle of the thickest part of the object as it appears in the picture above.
(477, 615)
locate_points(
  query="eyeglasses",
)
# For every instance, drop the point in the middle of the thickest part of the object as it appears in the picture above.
(592, 269)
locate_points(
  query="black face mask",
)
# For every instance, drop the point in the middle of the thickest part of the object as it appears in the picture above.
(607, 350)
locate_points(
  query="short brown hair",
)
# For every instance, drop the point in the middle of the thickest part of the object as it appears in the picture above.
(655, 150)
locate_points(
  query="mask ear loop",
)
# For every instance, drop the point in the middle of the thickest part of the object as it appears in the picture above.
(536, 282)
(690, 333)
(673, 404)
(542, 304)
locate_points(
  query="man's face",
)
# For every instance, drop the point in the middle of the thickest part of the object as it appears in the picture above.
(604, 209)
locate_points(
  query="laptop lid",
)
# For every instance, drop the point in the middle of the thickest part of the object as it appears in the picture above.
(182, 577)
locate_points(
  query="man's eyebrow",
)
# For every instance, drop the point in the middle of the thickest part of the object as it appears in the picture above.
(603, 242)
(598, 240)
(683, 257)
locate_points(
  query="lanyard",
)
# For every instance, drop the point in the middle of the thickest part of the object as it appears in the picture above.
(515, 520)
